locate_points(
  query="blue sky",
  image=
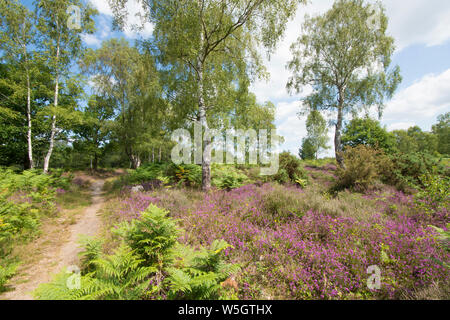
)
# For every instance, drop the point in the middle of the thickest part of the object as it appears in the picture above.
(421, 29)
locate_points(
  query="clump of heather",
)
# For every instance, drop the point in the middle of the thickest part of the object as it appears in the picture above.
(291, 254)
(60, 191)
(315, 255)
(422, 211)
(132, 205)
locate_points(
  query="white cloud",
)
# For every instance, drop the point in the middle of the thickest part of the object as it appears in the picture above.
(102, 6)
(413, 22)
(290, 126)
(400, 126)
(91, 40)
(134, 8)
(275, 88)
(418, 21)
(418, 104)
(422, 101)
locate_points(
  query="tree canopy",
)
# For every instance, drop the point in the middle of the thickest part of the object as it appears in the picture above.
(346, 61)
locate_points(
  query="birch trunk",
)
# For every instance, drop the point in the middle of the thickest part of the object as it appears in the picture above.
(206, 160)
(53, 132)
(29, 132)
(337, 136)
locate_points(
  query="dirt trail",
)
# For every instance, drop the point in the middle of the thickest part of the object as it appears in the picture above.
(53, 260)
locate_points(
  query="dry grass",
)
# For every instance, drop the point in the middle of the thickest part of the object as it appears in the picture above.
(315, 198)
(437, 291)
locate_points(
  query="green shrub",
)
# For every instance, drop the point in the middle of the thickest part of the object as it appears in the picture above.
(362, 165)
(227, 177)
(435, 193)
(119, 276)
(290, 169)
(185, 174)
(149, 263)
(24, 198)
(407, 168)
(92, 251)
(198, 274)
(282, 176)
(153, 236)
(6, 272)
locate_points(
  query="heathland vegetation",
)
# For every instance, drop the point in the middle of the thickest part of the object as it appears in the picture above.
(316, 229)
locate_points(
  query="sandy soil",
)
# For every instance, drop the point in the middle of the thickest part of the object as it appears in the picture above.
(52, 259)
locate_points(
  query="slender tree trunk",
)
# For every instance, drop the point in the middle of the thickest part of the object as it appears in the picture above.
(160, 154)
(153, 154)
(135, 161)
(337, 136)
(29, 133)
(206, 160)
(52, 144)
(53, 132)
(95, 162)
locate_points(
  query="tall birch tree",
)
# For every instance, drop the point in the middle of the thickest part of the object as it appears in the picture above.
(17, 38)
(345, 56)
(60, 41)
(206, 41)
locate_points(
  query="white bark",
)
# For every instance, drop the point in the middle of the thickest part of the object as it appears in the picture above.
(53, 132)
(29, 133)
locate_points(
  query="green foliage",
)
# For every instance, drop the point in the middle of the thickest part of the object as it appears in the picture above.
(361, 170)
(227, 177)
(150, 261)
(199, 273)
(317, 137)
(223, 176)
(368, 132)
(415, 140)
(119, 276)
(442, 131)
(95, 129)
(406, 169)
(167, 172)
(128, 78)
(6, 272)
(307, 151)
(185, 174)
(24, 198)
(153, 236)
(92, 250)
(349, 79)
(290, 169)
(435, 193)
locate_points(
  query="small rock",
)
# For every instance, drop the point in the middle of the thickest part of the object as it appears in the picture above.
(138, 188)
